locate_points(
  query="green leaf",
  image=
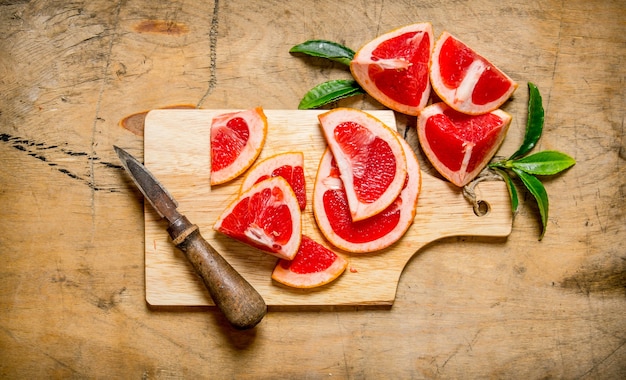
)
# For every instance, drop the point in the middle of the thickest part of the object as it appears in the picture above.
(539, 192)
(330, 91)
(325, 49)
(512, 190)
(547, 162)
(534, 123)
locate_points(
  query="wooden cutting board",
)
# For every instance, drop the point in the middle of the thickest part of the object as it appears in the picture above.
(177, 152)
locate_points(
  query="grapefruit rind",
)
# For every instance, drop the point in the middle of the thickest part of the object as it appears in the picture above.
(460, 97)
(351, 168)
(285, 276)
(409, 81)
(257, 125)
(459, 177)
(407, 204)
(256, 234)
(266, 168)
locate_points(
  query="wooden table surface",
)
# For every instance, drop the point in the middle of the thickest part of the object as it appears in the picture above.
(72, 292)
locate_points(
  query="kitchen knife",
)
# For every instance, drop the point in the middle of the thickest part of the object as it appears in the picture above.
(242, 305)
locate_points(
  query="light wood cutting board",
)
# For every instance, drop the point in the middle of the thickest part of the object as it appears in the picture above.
(176, 146)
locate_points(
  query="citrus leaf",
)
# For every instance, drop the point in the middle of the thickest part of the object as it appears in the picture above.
(511, 187)
(547, 162)
(534, 123)
(325, 49)
(539, 192)
(328, 92)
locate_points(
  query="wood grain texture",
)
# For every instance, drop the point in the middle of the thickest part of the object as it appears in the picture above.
(176, 151)
(72, 283)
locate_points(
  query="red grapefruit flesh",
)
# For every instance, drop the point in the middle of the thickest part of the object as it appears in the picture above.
(393, 68)
(266, 216)
(237, 139)
(370, 159)
(458, 145)
(314, 265)
(289, 166)
(466, 81)
(332, 214)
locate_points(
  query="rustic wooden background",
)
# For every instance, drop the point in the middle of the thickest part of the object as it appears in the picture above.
(72, 294)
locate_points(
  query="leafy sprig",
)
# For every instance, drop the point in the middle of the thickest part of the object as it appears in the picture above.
(331, 90)
(527, 167)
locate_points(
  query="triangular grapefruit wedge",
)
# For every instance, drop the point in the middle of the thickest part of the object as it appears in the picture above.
(237, 139)
(370, 159)
(465, 80)
(314, 265)
(458, 145)
(393, 68)
(266, 216)
(289, 165)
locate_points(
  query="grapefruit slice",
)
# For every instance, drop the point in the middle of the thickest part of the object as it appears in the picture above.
(288, 165)
(370, 159)
(266, 216)
(466, 81)
(314, 265)
(393, 68)
(332, 214)
(236, 141)
(459, 145)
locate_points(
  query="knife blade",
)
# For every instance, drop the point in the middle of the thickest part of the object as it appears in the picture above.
(241, 304)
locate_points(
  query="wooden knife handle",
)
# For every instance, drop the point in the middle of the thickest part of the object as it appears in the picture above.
(242, 305)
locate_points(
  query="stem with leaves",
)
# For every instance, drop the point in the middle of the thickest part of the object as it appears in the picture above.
(528, 167)
(332, 90)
